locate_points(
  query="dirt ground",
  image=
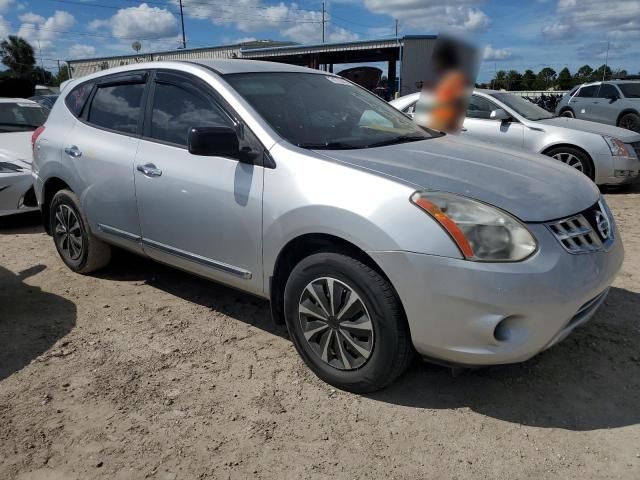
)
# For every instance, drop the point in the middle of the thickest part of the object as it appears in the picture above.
(142, 371)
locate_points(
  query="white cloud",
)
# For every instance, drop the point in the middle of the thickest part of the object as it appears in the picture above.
(293, 22)
(4, 5)
(433, 14)
(619, 20)
(81, 51)
(495, 54)
(42, 32)
(31, 17)
(4, 28)
(140, 22)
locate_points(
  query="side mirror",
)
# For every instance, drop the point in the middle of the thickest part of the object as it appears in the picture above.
(613, 97)
(214, 142)
(500, 114)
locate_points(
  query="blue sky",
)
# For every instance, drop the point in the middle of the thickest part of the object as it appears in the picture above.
(513, 34)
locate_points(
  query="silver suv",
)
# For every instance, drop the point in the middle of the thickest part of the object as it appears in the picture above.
(371, 237)
(615, 102)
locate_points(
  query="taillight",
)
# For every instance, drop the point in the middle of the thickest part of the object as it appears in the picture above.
(34, 136)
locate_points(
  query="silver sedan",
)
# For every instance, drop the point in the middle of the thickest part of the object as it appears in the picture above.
(608, 155)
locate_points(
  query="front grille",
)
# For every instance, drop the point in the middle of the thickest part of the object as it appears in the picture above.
(576, 235)
(636, 148)
(586, 232)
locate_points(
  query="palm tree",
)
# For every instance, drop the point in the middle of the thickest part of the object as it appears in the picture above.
(17, 55)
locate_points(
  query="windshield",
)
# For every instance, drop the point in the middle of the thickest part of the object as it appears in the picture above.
(21, 117)
(324, 112)
(630, 90)
(523, 107)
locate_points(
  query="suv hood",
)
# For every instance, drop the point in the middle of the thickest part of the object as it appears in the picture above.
(627, 136)
(532, 187)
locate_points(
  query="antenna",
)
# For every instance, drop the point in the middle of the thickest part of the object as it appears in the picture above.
(323, 21)
(184, 40)
(606, 61)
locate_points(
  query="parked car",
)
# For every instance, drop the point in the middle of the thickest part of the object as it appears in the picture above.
(18, 119)
(606, 154)
(45, 101)
(372, 237)
(615, 102)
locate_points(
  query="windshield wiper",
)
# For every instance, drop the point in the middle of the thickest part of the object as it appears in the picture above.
(327, 146)
(396, 140)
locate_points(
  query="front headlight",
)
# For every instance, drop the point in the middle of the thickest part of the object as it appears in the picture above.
(481, 232)
(618, 147)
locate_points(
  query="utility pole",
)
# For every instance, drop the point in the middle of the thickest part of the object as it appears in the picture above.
(606, 61)
(184, 40)
(44, 80)
(396, 28)
(323, 21)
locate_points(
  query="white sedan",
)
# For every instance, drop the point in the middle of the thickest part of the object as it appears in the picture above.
(606, 154)
(18, 120)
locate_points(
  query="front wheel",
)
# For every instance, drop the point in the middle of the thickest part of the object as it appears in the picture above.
(567, 113)
(574, 158)
(79, 249)
(630, 121)
(346, 322)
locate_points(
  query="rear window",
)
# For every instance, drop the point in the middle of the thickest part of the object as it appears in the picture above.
(630, 90)
(588, 92)
(117, 107)
(21, 116)
(78, 97)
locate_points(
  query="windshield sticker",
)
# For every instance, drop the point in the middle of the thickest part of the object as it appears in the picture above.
(338, 80)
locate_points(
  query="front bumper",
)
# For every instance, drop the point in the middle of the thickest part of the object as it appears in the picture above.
(613, 170)
(473, 313)
(14, 187)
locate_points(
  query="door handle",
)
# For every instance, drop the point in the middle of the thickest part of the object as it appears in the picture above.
(150, 170)
(73, 151)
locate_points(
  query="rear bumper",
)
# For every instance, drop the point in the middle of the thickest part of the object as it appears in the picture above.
(474, 313)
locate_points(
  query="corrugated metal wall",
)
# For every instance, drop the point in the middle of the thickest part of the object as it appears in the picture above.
(415, 57)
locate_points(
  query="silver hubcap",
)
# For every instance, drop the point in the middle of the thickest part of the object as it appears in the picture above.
(570, 160)
(336, 323)
(67, 232)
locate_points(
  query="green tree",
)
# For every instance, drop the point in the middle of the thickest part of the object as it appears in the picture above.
(514, 80)
(528, 80)
(602, 72)
(565, 81)
(40, 76)
(546, 78)
(17, 55)
(583, 74)
(62, 76)
(500, 80)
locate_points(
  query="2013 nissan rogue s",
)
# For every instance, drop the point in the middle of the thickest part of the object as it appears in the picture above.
(372, 237)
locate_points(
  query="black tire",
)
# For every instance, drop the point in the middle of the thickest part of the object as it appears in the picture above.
(567, 112)
(564, 154)
(92, 254)
(391, 351)
(630, 121)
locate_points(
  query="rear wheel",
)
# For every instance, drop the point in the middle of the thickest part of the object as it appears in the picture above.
(567, 112)
(574, 158)
(346, 322)
(630, 121)
(79, 249)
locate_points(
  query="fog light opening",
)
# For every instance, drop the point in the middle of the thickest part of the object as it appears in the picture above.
(502, 332)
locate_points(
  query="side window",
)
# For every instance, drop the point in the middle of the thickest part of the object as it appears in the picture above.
(480, 108)
(588, 92)
(411, 108)
(117, 107)
(176, 110)
(77, 98)
(607, 91)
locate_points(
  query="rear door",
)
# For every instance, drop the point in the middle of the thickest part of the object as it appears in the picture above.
(199, 213)
(582, 102)
(605, 106)
(102, 146)
(479, 124)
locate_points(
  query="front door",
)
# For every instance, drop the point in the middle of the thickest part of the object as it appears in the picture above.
(582, 102)
(202, 214)
(481, 126)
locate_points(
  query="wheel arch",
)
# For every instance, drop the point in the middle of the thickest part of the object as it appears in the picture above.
(565, 108)
(51, 186)
(624, 112)
(549, 148)
(301, 247)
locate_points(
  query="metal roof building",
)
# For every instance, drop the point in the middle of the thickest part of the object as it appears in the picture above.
(412, 53)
